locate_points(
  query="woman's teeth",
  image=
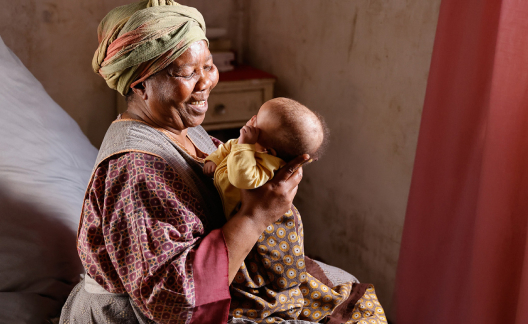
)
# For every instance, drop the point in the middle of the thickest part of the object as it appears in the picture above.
(198, 103)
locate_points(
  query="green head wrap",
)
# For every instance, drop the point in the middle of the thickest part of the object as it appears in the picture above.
(140, 39)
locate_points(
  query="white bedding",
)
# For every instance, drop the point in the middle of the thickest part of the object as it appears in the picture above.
(45, 164)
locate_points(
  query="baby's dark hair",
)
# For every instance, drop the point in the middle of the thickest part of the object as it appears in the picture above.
(300, 131)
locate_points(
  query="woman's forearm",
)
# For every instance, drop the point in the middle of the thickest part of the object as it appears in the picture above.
(241, 233)
(260, 207)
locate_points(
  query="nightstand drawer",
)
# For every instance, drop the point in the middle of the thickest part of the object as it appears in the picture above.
(233, 107)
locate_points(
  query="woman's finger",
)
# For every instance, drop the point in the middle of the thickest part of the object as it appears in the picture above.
(290, 169)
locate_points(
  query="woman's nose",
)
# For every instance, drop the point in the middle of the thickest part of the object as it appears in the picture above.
(204, 82)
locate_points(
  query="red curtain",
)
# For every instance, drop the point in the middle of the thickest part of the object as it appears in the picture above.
(464, 254)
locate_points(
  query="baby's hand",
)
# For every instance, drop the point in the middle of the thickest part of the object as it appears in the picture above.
(209, 168)
(251, 122)
(248, 134)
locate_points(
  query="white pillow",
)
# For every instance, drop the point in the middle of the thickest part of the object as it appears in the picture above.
(45, 165)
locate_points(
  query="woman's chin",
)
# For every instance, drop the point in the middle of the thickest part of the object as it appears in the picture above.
(198, 109)
(194, 121)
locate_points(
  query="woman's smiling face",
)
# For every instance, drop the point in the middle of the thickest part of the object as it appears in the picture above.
(176, 97)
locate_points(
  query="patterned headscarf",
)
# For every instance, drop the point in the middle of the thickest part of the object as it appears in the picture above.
(140, 39)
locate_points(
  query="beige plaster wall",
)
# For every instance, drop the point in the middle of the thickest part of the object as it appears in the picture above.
(363, 64)
(56, 40)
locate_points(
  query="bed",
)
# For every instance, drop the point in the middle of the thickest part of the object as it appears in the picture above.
(45, 165)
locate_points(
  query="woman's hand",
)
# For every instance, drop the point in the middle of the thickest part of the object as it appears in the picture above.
(269, 202)
(261, 207)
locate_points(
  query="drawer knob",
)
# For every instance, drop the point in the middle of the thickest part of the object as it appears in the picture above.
(220, 109)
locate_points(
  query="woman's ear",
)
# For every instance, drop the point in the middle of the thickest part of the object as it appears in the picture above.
(139, 89)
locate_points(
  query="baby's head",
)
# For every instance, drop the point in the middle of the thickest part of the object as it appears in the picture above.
(289, 129)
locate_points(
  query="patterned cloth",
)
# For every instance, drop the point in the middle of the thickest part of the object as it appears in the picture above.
(146, 232)
(274, 284)
(140, 39)
(146, 229)
(368, 309)
(153, 220)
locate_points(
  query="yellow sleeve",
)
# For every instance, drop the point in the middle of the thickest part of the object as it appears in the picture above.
(222, 152)
(247, 169)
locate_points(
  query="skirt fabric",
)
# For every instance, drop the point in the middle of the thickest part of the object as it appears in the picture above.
(89, 303)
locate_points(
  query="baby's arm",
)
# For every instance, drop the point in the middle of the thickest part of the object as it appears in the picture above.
(209, 168)
(215, 158)
(246, 171)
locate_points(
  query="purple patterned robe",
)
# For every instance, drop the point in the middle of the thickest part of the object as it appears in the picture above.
(139, 232)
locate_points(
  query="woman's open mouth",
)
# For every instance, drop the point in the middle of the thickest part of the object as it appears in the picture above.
(200, 107)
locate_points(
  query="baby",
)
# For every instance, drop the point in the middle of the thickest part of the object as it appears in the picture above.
(282, 130)
(274, 282)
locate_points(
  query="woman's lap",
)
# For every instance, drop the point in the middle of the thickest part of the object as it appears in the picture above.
(89, 303)
(83, 307)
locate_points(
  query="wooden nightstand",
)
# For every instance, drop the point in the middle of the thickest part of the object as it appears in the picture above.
(235, 99)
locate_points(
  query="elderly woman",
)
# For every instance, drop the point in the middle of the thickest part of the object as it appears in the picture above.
(152, 236)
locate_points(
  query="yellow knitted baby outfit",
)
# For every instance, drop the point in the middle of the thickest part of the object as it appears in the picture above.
(240, 166)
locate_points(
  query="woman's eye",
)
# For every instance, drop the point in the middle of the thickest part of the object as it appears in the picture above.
(188, 77)
(208, 67)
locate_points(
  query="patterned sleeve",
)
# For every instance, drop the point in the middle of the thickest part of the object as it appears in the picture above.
(142, 233)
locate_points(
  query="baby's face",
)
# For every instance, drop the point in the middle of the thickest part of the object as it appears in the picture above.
(267, 126)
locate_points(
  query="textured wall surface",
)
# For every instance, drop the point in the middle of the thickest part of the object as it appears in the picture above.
(363, 64)
(56, 40)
